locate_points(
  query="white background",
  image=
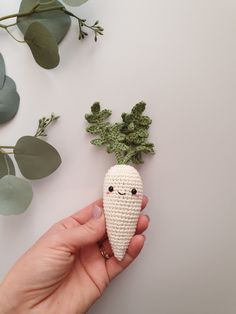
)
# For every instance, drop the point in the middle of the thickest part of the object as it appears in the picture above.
(180, 57)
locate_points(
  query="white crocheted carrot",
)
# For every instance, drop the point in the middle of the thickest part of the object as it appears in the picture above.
(122, 199)
(123, 187)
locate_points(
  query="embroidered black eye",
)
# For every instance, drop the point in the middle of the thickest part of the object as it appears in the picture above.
(134, 191)
(110, 189)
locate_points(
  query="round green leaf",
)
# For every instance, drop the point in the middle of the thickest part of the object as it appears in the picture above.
(9, 103)
(57, 22)
(2, 71)
(15, 195)
(75, 3)
(36, 158)
(6, 165)
(9, 83)
(43, 45)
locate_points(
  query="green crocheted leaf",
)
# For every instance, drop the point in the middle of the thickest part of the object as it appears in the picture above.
(137, 158)
(145, 121)
(93, 129)
(104, 114)
(121, 137)
(127, 118)
(134, 138)
(97, 142)
(128, 139)
(117, 147)
(120, 147)
(131, 126)
(97, 129)
(139, 108)
(98, 117)
(95, 108)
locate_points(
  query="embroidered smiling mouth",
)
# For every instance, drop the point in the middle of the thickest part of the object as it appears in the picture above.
(121, 193)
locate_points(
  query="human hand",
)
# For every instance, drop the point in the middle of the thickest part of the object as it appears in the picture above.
(65, 272)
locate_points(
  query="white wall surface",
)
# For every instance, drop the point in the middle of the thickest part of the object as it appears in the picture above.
(180, 57)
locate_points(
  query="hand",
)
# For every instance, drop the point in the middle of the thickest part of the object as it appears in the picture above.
(64, 272)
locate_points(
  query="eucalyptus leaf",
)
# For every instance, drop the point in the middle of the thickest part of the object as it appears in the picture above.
(43, 45)
(2, 71)
(57, 22)
(36, 158)
(9, 83)
(9, 104)
(15, 195)
(6, 165)
(75, 3)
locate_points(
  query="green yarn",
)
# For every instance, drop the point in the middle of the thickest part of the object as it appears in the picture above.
(128, 140)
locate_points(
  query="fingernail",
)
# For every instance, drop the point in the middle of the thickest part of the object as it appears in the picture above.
(97, 212)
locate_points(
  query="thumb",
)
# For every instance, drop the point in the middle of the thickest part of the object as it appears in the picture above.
(89, 233)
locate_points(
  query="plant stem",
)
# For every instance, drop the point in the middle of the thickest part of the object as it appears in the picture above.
(7, 147)
(95, 28)
(19, 41)
(20, 14)
(8, 169)
(6, 153)
(6, 26)
(119, 158)
(50, 9)
(33, 10)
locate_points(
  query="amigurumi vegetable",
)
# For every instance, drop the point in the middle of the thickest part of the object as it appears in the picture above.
(123, 187)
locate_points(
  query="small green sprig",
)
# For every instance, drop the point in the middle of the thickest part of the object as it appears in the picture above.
(44, 123)
(35, 159)
(96, 28)
(128, 139)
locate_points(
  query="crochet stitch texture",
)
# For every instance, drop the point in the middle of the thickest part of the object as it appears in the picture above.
(121, 207)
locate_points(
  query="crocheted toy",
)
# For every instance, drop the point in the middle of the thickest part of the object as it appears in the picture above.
(123, 187)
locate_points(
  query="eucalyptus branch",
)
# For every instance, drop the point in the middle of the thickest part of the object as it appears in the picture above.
(98, 30)
(44, 26)
(23, 14)
(6, 153)
(7, 147)
(35, 9)
(44, 123)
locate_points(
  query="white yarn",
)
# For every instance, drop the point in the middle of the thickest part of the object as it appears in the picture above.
(122, 211)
